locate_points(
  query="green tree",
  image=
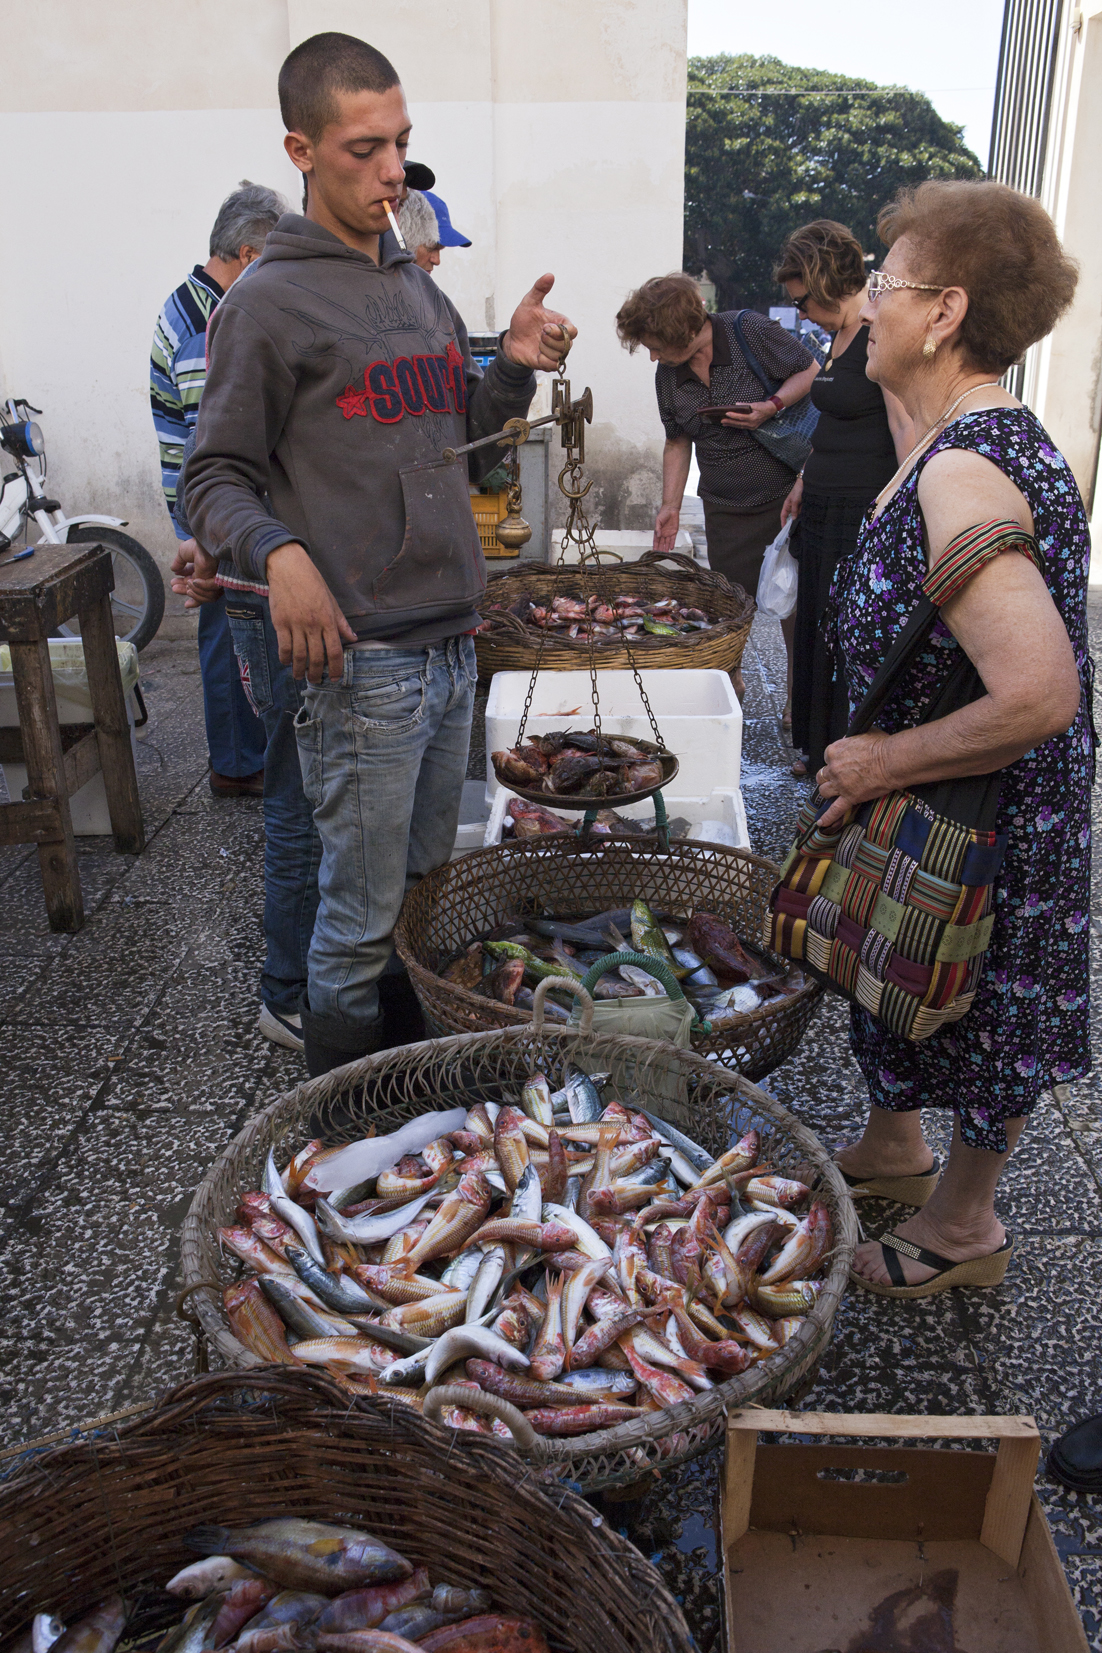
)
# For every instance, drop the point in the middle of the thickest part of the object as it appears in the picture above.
(779, 153)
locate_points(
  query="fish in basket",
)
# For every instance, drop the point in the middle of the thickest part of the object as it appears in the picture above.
(529, 1243)
(707, 902)
(696, 618)
(263, 1511)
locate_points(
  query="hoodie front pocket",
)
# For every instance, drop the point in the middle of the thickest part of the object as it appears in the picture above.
(440, 565)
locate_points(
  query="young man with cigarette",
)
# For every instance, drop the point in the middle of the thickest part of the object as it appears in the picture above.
(337, 377)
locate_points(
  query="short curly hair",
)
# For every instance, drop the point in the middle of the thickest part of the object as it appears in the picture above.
(827, 258)
(667, 308)
(1001, 247)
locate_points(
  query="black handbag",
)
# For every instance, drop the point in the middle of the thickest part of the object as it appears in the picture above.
(787, 436)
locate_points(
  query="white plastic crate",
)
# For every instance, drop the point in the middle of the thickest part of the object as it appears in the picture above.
(698, 714)
(88, 805)
(719, 818)
(474, 813)
(628, 543)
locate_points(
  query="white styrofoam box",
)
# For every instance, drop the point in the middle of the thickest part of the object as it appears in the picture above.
(720, 818)
(474, 812)
(628, 543)
(88, 805)
(697, 712)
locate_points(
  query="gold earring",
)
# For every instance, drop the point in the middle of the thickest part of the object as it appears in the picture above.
(930, 347)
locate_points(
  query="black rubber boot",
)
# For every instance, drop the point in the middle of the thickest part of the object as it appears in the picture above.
(329, 1044)
(403, 1023)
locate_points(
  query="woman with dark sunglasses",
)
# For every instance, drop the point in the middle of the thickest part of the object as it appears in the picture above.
(862, 434)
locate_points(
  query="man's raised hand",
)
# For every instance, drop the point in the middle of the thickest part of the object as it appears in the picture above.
(538, 337)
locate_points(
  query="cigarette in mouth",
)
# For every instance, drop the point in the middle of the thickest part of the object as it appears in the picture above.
(394, 226)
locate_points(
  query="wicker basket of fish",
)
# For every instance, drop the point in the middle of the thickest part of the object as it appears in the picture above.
(262, 1511)
(673, 614)
(712, 897)
(548, 1235)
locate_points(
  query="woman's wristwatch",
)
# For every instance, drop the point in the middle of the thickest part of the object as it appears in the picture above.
(777, 403)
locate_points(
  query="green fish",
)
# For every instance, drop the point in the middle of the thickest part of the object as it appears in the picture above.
(532, 965)
(647, 937)
(659, 628)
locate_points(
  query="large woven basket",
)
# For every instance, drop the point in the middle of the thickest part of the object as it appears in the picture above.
(708, 1102)
(108, 1513)
(510, 645)
(559, 875)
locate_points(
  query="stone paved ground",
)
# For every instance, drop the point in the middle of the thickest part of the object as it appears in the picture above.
(130, 1057)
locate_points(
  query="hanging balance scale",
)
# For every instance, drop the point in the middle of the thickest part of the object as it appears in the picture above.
(628, 771)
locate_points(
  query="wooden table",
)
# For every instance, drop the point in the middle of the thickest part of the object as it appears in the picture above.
(36, 597)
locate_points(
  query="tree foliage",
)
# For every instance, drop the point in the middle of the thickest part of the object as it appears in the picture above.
(766, 160)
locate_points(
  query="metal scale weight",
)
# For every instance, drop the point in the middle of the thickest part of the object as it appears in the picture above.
(572, 415)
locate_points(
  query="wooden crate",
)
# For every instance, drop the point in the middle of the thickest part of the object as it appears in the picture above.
(489, 510)
(832, 1548)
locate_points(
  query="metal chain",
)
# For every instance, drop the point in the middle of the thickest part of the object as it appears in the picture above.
(579, 532)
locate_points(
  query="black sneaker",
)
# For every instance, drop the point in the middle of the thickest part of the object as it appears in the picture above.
(1075, 1460)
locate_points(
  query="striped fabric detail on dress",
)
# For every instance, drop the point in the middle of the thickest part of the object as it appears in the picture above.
(969, 552)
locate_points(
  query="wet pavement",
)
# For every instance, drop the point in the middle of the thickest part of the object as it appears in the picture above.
(131, 1056)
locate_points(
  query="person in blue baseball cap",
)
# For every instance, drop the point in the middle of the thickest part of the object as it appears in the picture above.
(426, 227)
(449, 235)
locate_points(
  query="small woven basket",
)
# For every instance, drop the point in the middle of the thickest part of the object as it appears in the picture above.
(108, 1513)
(709, 1103)
(558, 874)
(510, 645)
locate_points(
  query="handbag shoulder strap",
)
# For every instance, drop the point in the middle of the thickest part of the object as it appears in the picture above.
(971, 551)
(754, 365)
(963, 559)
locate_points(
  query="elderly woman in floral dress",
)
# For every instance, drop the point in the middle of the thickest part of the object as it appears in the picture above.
(975, 275)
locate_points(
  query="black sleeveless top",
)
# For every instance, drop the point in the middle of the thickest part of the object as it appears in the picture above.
(852, 450)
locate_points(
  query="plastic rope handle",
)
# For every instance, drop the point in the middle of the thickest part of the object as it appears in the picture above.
(524, 1439)
(654, 967)
(579, 991)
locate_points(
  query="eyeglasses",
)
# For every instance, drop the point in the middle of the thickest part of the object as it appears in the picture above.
(880, 282)
(802, 302)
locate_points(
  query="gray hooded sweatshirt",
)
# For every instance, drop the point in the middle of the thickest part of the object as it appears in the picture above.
(333, 385)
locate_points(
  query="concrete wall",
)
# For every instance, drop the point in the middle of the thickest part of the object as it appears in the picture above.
(557, 136)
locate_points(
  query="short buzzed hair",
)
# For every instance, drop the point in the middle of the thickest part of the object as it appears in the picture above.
(315, 72)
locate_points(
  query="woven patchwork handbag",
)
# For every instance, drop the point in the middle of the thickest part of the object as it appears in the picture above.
(893, 906)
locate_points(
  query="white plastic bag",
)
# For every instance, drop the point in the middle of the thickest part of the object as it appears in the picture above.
(780, 573)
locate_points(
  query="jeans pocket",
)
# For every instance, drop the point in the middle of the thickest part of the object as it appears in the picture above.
(251, 649)
(392, 705)
(309, 736)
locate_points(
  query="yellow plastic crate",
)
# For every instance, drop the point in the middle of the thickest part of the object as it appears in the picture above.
(489, 510)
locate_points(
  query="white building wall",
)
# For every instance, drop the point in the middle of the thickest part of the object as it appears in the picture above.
(557, 137)
(1064, 375)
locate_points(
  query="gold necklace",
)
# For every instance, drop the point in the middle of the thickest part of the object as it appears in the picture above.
(988, 384)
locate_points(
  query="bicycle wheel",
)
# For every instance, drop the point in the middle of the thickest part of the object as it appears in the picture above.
(138, 600)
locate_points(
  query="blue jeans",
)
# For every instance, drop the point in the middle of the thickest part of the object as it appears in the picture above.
(292, 848)
(384, 754)
(235, 735)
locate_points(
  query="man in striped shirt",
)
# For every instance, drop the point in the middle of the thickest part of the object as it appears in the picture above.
(177, 373)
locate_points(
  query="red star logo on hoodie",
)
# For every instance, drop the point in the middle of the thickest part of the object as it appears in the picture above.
(353, 401)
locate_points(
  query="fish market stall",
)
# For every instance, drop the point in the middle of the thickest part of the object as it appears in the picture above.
(451, 917)
(267, 1511)
(602, 1242)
